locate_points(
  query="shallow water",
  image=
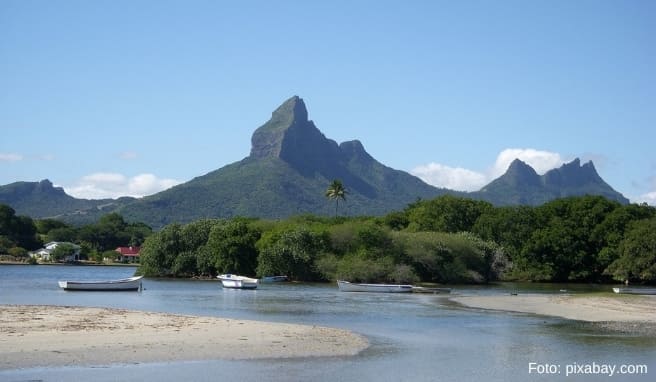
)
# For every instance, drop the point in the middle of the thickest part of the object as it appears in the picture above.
(417, 337)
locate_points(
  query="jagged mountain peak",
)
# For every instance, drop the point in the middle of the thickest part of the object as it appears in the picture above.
(354, 150)
(291, 137)
(519, 173)
(522, 185)
(520, 166)
(42, 187)
(573, 173)
(45, 183)
(576, 162)
(290, 111)
(589, 165)
(288, 126)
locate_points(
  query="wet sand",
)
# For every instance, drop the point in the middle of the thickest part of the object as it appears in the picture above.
(32, 336)
(614, 311)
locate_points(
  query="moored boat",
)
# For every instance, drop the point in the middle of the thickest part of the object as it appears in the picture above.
(129, 284)
(420, 289)
(634, 290)
(237, 282)
(346, 286)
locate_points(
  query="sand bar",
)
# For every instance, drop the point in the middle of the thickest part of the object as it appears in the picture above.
(32, 336)
(575, 307)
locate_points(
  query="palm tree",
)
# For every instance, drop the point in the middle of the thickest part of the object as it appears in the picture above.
(336, 191)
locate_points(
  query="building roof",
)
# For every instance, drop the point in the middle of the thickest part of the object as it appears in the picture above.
(128, 251)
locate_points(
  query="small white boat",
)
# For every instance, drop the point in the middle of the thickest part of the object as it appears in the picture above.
(132, 283)
(627, 290)
(238, 282)
(273, 279)
(346, 286)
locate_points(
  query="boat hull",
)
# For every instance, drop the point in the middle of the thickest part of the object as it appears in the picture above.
(237, 282)
(649, 291)
(346, 286)
(419, 289)
(129, 284)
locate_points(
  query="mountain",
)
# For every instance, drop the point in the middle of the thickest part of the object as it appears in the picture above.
(522, 185)
(43, 200)
(290, 166)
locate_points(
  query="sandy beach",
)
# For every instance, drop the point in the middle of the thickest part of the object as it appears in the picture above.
(32, 336)
(637, 310)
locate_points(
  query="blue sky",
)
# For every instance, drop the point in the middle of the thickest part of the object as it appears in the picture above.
(109, 98)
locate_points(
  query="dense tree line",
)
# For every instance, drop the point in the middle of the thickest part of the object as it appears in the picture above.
(447, 239)
(310, 248)
(20, 234)
(575, 239)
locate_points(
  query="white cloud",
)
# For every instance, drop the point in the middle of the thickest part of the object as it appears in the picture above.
(112, 185)
(649, 198)
(462, 179)
(10, 157)
(541, 161)
(453, 178)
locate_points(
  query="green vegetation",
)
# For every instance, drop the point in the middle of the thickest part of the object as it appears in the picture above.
(571, 239)
(444, 240)
(336, 191)
(20, 234)
(291, 251)
(637, 251)
(17, 233)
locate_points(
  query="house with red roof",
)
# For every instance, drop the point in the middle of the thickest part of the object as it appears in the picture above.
(128, 254)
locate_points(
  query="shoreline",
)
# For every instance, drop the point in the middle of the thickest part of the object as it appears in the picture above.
(81, 264)
(627, 313)
(49, 336)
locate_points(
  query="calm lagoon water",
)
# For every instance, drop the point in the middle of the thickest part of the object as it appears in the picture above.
(413, 337)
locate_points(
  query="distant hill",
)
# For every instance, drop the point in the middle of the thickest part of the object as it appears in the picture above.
(43, 200)
(290, 166)
(521, 185)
